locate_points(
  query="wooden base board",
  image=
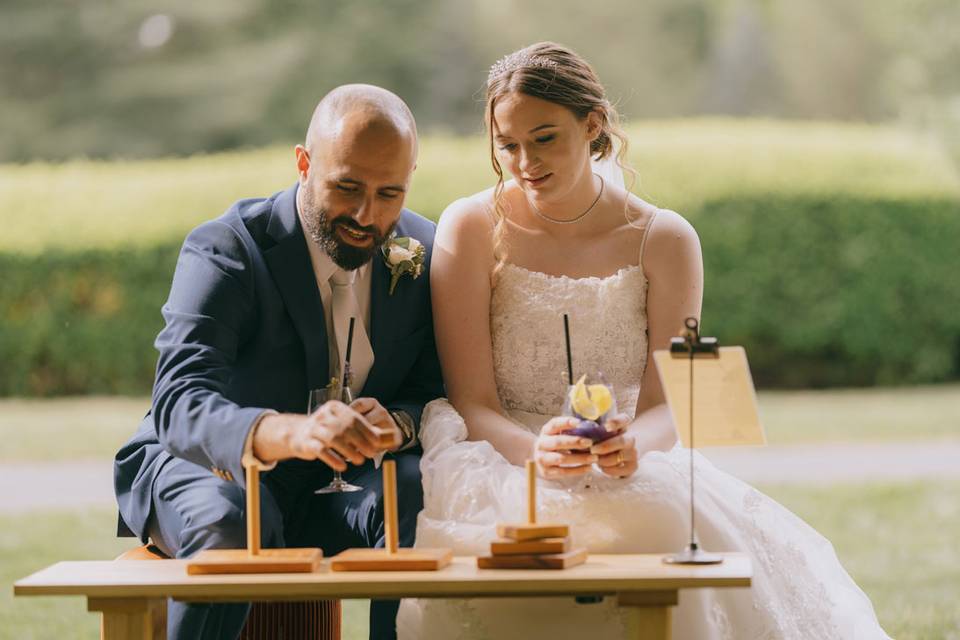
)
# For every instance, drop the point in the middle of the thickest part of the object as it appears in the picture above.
(526, 531)
(381, 560)
(507, 547)
(543, 561)
(266, 561)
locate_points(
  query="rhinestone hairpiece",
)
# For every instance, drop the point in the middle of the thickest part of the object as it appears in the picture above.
(519, 60)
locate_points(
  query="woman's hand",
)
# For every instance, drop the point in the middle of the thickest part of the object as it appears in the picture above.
(617, 456)
(558, 455)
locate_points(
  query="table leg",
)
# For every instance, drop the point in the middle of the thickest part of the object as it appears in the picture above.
(131, 618)
(653, 609)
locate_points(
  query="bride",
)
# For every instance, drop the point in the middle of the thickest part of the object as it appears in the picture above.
(565, 237)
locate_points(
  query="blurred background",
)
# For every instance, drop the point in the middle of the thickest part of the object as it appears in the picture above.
(814, 145)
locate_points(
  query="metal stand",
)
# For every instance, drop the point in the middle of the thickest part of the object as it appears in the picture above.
(693, 346)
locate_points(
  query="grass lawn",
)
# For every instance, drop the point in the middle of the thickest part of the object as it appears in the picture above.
(898, 541)
(93, 428)
(29, 542)
(681, 163)
(906, 413)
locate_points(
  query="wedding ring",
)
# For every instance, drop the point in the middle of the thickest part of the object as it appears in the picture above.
(619, 458)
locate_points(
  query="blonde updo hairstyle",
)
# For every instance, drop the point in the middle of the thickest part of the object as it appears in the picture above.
(554, 73)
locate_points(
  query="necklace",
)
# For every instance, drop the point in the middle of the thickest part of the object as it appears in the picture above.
(580, 217)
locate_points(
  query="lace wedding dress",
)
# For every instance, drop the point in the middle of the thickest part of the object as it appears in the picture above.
(799, 588)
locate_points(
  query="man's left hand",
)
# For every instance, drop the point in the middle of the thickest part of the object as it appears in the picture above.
(379, 417)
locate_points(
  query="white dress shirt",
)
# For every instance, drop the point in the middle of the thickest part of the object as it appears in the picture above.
(323, 268)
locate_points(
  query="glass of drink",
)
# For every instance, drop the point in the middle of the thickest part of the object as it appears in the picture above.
(334, 391)
(591, 401)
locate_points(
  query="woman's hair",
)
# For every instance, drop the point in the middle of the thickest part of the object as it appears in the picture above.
(554, 73)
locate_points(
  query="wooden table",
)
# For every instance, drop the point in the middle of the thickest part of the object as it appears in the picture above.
(132, 594)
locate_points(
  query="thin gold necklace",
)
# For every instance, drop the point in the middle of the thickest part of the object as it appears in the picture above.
(580, 217)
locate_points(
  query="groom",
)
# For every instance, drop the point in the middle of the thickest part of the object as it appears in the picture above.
(256, 318)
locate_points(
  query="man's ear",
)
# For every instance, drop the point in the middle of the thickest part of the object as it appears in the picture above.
(303, 161)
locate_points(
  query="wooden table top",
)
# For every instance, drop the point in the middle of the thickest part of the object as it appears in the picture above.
(600, 575)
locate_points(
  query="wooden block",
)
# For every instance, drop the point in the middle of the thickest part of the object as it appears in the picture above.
(528, 547)
(381, 560)
(267, 561)
(525, 531)
(544, 561)
(383, 437)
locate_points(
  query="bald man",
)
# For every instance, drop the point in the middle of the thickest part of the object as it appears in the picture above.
(255, 321)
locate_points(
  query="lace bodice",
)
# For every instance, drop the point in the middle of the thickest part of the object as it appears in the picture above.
(608, 333)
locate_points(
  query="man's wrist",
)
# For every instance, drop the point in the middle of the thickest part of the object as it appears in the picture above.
(405, 423)
(271, 439)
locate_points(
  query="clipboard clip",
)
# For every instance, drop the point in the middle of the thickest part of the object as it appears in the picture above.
(691, 345)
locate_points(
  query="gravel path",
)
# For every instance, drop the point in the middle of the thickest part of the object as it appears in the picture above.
(80, 485)
(831, 463)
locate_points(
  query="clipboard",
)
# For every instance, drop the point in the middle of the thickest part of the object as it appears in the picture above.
(724, 401)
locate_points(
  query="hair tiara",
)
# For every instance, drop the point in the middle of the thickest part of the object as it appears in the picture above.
(518, 60)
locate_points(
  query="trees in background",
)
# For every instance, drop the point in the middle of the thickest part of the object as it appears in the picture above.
(138, 78)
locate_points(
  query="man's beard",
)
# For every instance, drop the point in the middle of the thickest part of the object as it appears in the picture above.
(322, 230)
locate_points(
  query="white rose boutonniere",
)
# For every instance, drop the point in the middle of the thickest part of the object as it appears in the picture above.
(403, 256)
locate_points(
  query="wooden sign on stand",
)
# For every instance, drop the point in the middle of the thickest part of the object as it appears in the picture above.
(253, 559)
(391, 558)
(532, 545)
(725, 405)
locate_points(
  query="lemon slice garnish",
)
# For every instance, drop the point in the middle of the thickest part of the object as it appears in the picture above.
(602, 399)
(580, 400)
(590, 401)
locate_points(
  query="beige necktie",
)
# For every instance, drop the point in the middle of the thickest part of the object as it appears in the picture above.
(345, 306)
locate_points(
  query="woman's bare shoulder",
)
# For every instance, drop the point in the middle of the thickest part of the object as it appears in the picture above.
(669, 239)
(465, 230)
(472, 214)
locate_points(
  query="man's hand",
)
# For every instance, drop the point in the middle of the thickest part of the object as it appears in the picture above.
(333, 433)
(380, 418)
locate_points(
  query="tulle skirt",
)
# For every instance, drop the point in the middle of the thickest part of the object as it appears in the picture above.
(799, 589)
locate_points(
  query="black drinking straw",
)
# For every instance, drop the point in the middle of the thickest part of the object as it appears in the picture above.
(566, 332)
(349, 340)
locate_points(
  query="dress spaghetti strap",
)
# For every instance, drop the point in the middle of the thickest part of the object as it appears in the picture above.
(646, 232)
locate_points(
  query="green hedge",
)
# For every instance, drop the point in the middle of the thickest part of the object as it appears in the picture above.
(82, 322)
(830, 291)
(821, 290)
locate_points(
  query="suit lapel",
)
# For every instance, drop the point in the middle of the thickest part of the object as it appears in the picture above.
(383, 308)
(289, 263)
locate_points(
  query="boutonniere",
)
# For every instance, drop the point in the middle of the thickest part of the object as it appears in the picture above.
(403, 256)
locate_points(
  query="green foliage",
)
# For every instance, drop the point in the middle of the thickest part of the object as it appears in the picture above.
(830, 250)
(835, 290)
(88, 79)
(82, 322)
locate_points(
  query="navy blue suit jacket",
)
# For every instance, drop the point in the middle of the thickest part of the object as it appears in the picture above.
(245, 332)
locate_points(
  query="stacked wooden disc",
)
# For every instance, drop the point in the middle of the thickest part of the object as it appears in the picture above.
(532, 545)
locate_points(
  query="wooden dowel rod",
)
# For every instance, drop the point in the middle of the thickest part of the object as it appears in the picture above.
(390, 506)
(531, 492)
(252, 473)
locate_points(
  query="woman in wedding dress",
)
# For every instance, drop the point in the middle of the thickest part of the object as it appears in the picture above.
(564, 237)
